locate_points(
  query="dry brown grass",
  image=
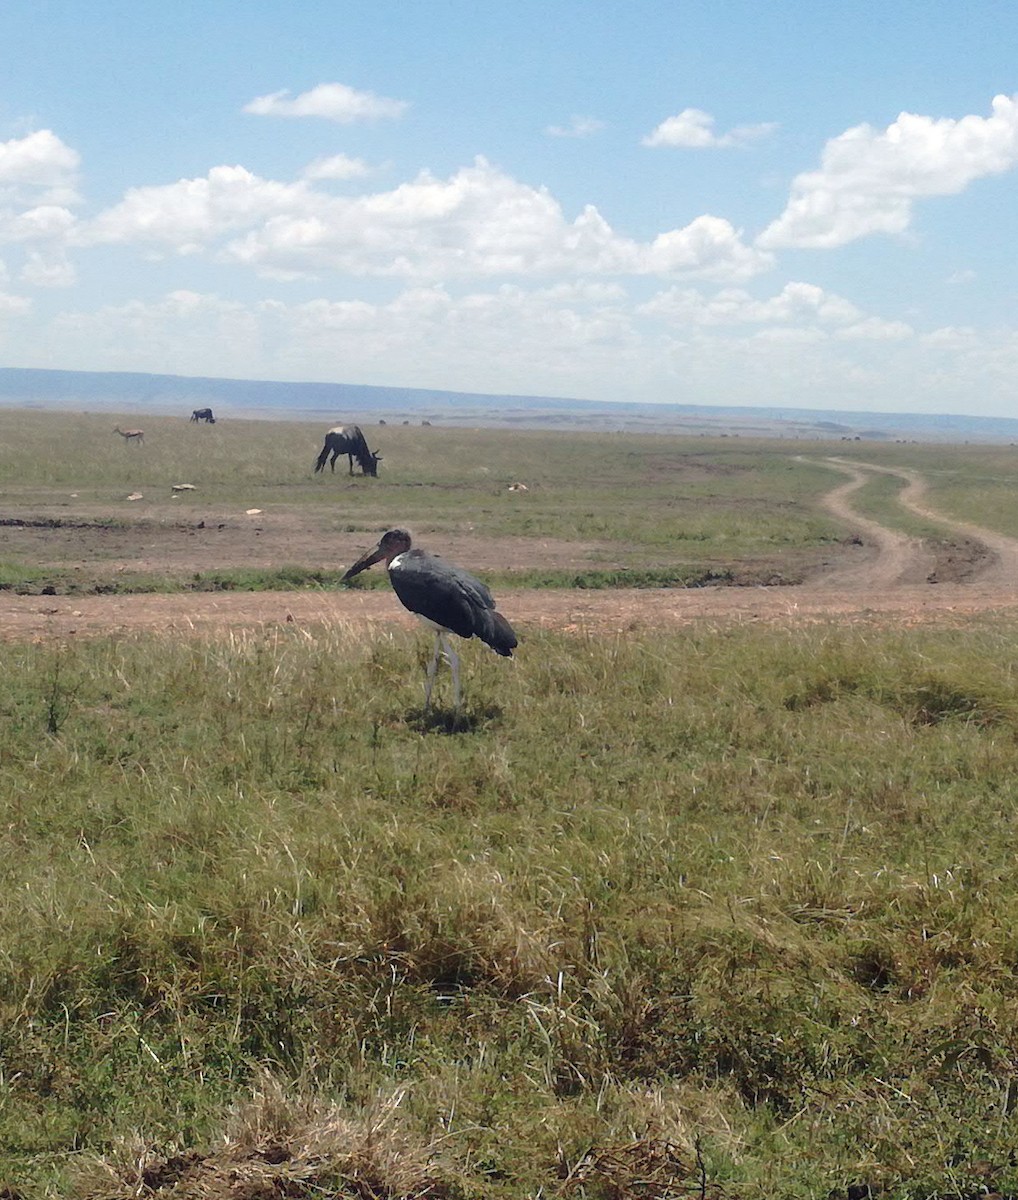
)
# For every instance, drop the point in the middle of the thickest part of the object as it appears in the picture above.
(280, 1146)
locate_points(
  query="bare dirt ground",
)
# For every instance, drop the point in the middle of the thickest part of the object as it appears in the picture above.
(877, 575)
(52, 537)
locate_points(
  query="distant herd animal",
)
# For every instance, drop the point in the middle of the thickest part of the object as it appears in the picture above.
(348, 440)
(341, 439)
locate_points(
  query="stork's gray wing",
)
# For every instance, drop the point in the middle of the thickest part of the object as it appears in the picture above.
(451, 597)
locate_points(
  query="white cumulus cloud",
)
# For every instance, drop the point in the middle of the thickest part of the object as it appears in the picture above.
(869, 179)
(45, 222)
(478, 222)
(38, 169)
(49, 268)
(40, 160)
(875, 329)
(708, 247)
(481, 222)
(14, 306)
(693, 129)
(337, 166)
(38, 181)
(331, 101)
(798, 308)
(187, 215)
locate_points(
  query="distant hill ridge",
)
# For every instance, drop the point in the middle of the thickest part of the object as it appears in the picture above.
(127, 391)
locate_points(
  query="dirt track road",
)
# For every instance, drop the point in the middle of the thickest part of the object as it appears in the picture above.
(889, 582)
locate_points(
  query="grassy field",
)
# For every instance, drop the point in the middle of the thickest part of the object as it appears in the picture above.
(727, 912)
(680, 507)
(645, 509)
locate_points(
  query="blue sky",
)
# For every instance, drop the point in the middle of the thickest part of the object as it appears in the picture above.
(803, 204)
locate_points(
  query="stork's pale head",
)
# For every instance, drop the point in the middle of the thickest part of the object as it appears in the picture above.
(391, 543)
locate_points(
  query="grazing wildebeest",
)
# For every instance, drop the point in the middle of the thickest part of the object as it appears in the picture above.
(131, 435)
(203, 414)
(348, 440)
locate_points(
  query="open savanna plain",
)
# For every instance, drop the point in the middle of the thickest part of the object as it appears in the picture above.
(711, 891)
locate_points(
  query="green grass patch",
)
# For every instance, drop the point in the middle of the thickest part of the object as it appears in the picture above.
(730, 912)
(297, 578)
(292, 578)
(15, 576)
(878, 499)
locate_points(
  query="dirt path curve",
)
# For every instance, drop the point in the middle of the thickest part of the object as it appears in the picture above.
(876, 589)
(897, 556)
(1001, 565)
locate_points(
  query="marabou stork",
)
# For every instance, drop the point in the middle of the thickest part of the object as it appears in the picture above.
(446, 598)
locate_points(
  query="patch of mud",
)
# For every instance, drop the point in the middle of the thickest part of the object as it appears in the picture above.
(959, 561)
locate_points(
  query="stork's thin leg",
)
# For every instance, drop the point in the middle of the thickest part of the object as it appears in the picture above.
(453, 660)
(429, 682)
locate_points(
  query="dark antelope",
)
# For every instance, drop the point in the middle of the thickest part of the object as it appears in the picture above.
(203, 414)
(348, 440)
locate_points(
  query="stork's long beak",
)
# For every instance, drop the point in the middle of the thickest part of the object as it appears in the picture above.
(365, 561)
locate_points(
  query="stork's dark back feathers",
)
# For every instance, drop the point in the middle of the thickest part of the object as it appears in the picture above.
(451, 598)
(445, 596)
